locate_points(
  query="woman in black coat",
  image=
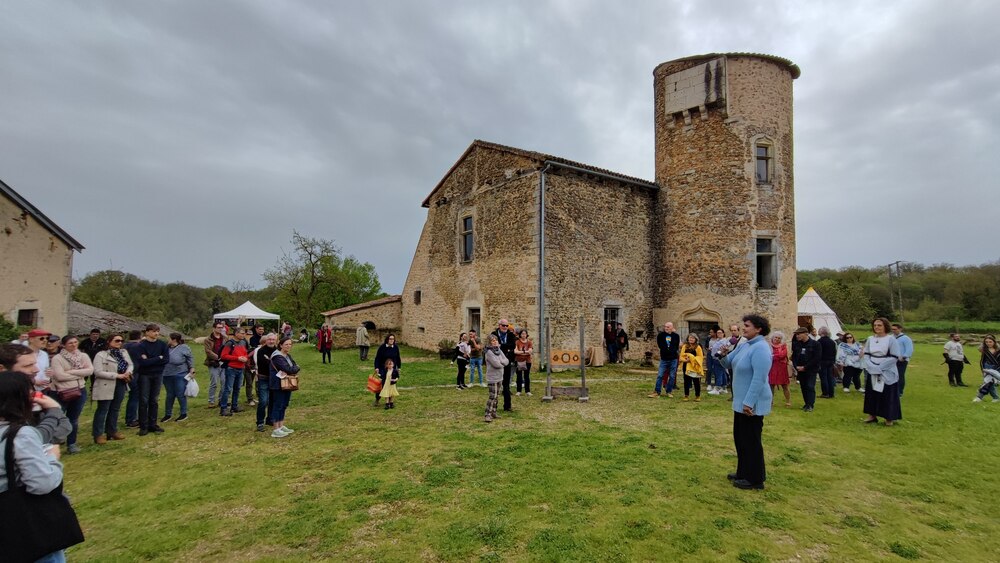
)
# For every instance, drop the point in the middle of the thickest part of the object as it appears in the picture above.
(387, 351)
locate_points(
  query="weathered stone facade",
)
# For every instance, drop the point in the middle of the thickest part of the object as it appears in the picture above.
(685, 248)
(386, 313)
(37, 266)
(715, 206)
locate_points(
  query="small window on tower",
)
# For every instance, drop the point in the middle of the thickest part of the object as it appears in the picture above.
(416, 297)
(765, 159)
(767, 264)
(466, 239)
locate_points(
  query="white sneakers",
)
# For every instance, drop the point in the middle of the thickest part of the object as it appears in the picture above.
(281, 432)
(978, 400)
(518, 393)
(847, 389)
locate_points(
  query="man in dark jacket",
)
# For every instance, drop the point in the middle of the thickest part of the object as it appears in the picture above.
(94, 344)
(132, 405)
(669, 343)
(153, 355)
(805, 358)
(827, 356)
(507, 341)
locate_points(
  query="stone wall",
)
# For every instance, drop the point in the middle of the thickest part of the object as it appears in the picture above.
(599, 253)
(385, 315)
(498, 190)
(36, 269)
(716, 209)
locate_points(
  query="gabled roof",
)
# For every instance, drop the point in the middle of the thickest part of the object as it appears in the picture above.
(365, 305)
(40, 217)
(542, 158)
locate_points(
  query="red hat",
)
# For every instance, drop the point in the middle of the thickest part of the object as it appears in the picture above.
(33, 333)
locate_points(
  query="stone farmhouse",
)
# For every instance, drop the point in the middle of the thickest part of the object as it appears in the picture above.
(711, 239)
(36, 270)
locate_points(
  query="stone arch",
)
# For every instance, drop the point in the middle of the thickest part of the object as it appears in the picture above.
(698, 317)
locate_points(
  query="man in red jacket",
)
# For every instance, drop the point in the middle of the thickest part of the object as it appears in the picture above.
(234, 357)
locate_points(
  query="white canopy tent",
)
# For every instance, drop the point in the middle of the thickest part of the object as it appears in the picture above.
(247, 311)
(814, 311)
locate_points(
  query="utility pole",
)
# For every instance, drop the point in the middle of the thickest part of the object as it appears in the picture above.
(899, 288)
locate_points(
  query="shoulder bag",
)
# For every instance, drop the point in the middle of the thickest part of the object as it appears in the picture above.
(374, 383)
(33, 525)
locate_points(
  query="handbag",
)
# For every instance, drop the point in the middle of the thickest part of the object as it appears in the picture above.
(374, 383)
(290, 383)
(69, 395)
(33, 525)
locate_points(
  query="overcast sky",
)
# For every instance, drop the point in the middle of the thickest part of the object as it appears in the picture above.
(183, 141)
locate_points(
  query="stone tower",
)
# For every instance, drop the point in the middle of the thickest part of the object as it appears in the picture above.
(723, 126)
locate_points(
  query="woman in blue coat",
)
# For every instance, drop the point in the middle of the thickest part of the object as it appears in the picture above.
(751, 363)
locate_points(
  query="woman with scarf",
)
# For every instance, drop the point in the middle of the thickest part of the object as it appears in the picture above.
(112, 372)
(70, 370)
(879, 356)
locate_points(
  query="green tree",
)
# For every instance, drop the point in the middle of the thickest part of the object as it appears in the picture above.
(313, 278)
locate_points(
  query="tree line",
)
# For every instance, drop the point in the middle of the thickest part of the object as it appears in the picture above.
(927, 293)
(313, 277)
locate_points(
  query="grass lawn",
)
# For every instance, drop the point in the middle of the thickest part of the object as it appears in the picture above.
(622, 478)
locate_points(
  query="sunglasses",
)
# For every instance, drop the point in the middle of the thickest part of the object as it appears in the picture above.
(117, 340)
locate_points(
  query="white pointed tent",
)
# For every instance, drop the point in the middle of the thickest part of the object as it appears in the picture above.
(814, 311)
(247, 311)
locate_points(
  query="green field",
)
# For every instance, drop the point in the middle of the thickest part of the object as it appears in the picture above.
(622, 478)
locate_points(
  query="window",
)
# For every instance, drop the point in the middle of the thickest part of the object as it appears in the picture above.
(467, 241)
(767, 264)
(611, 315)
(474, 319)
(416, 297)
(27, 317)
(764, 161)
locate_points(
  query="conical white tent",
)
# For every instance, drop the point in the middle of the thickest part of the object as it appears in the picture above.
(813, 310)
(247, 311)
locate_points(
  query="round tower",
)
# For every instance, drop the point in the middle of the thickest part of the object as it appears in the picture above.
(723, 126)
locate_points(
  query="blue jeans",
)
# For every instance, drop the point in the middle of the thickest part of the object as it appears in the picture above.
(176, 385)
(264, 408)
(668, 367)
(132, 406)
(279, 401)
(73, 410)
(106, 414)
(475, 364)
(216, 381)
(612, 352)
(234, 378)
(721, 377)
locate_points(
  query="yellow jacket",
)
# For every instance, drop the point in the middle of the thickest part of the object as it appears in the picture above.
(695, 362)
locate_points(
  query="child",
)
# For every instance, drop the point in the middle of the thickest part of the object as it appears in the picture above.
(692, 366)
(389, 375)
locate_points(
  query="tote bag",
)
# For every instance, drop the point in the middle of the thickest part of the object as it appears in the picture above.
(33, 525)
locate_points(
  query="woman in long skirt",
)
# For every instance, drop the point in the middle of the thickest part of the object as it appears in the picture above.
(880, 353)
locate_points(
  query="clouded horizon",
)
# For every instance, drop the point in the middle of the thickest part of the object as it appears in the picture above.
(184, 141)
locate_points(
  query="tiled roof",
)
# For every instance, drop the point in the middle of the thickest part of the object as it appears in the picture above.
(39, 216)
(541, 158)
(365, 305)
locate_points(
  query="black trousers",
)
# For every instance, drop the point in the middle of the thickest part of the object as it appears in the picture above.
(955, 368)
(460, 378)
(807, 381)
(506, 385)
(852, 374)
(362, 353)
(688, 381)
(327, 355)
(749, 449)
(149, 400)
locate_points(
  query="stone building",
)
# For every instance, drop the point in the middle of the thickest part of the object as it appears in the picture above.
(710, 240)
(36, 268)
